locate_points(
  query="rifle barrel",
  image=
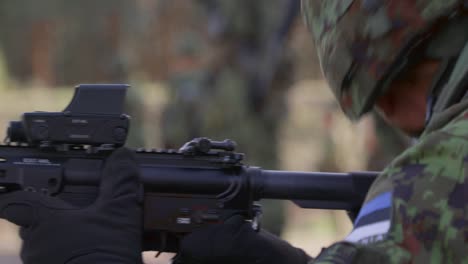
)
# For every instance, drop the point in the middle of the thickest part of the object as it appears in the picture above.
(297, 185)
(320, 190)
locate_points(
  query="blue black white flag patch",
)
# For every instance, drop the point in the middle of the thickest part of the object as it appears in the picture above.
(373, 221)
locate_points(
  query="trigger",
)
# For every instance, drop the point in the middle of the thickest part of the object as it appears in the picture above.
(257, 217)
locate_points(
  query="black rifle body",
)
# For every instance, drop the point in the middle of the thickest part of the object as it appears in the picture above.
(62, 154)
(180, 192)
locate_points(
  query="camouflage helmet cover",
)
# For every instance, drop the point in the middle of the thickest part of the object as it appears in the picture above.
(361, 42)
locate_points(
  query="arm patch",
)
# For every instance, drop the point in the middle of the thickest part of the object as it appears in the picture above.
(373, 221)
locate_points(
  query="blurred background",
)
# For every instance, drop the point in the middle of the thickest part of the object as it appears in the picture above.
(239, 69)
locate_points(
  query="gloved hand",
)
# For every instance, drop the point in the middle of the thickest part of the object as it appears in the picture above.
(108, 231)
(236, 242)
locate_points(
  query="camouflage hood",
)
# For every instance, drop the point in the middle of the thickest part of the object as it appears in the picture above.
(454, 97)
(363, 44)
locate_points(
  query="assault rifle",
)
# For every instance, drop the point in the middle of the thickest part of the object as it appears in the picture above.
(61, 154)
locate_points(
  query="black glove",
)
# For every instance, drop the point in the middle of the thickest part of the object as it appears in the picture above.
(236, 242)
(109, 231)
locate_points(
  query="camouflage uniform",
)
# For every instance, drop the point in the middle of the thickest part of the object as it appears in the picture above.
(415, 212)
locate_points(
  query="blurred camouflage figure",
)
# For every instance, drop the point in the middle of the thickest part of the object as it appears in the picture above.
(238, 91)
(182, 117)
(372, 53)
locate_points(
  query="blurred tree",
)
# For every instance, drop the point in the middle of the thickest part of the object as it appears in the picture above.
(91, 39)
(66, 43)
(27, 34)
(63, 43)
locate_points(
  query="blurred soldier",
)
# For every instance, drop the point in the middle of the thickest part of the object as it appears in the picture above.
(239, 92)
(407, 60)
(182, 117)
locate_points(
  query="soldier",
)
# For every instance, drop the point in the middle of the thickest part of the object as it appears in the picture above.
(407, 59)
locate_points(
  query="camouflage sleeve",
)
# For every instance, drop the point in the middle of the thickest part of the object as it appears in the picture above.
(416, 211)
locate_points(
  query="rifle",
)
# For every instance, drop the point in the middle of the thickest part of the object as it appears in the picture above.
(61, 154)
